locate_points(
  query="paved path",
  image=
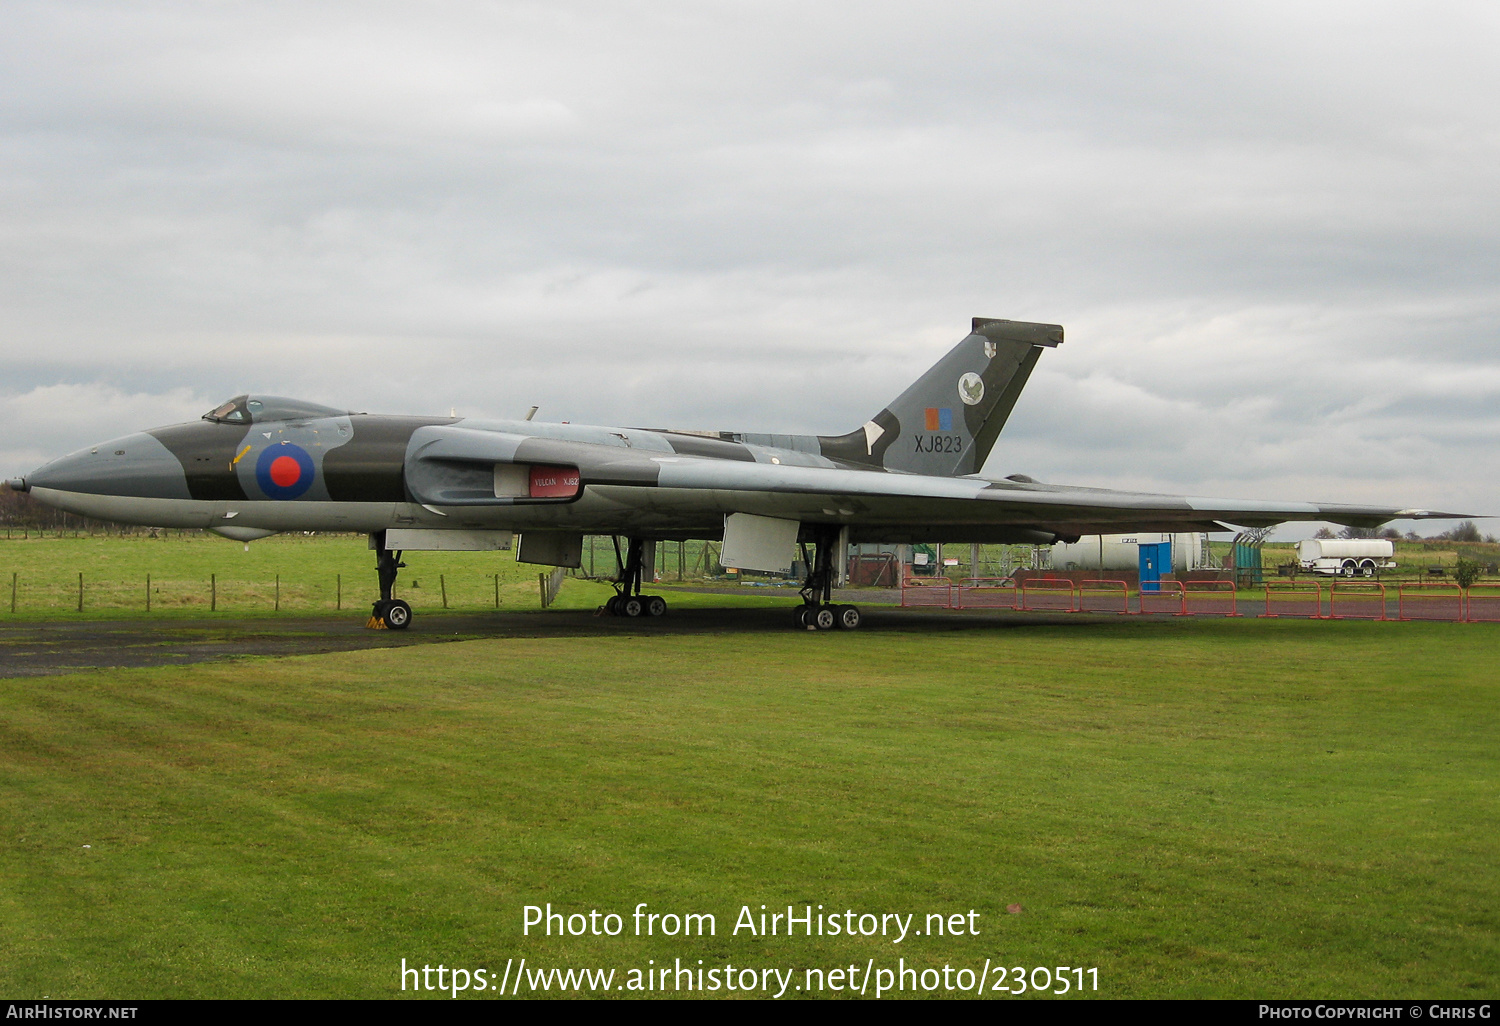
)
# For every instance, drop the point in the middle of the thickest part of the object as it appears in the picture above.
(39, 649)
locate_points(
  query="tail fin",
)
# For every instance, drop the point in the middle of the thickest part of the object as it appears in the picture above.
(947, 422)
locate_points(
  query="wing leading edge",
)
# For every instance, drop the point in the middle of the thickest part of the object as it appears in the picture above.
(892, 506)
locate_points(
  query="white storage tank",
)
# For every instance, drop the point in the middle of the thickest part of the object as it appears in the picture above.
(1123, 551)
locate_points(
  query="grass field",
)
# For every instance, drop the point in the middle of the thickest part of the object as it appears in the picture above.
(1196, 808)
(1410, 556)
(192, 572)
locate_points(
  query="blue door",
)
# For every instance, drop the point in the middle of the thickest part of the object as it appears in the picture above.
(1156, 559)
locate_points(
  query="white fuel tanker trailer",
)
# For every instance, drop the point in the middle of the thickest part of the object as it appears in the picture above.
(1346, 557)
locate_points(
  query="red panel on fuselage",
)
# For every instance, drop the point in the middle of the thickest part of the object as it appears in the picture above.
(554, 482)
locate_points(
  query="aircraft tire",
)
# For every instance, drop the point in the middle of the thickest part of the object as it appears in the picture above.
(632, 606)
(656, 606)
(849, 617)
(612, 607)
(824, 618)
(800, 616)
(397, 615)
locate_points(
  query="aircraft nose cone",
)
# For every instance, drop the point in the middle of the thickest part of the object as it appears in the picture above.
(137, 465)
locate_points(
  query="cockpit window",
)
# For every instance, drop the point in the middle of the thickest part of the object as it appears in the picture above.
(246, 409)
(231, 412)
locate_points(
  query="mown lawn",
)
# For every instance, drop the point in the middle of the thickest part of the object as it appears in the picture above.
(1196, 808)
(291, 573)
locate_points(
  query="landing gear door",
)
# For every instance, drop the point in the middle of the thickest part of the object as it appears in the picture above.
(550, 548)
(767, 544)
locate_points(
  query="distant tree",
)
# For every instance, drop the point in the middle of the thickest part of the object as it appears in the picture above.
(1391, 533)
(1464, 532)
(1357, 532)
(1323, 532)
(1489, 539)
(1413, 536)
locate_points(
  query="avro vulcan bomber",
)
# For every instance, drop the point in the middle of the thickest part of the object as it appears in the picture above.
(258, 464)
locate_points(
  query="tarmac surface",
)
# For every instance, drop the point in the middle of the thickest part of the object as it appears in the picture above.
(37, 649)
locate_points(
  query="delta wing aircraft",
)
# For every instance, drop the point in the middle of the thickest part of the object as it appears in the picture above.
(258, 465)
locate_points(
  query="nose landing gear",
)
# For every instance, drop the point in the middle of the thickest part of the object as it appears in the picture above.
(387, 613)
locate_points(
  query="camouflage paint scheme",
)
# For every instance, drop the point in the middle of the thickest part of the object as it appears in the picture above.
(262, 464)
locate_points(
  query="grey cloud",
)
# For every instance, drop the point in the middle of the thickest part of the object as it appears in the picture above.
(1269, 229)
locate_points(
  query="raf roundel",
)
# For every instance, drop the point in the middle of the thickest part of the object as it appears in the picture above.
(284, 471)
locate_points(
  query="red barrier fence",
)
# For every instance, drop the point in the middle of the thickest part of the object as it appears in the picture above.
(1357, 600)
(1347, 600)
(1482, 604)
(1047, 594)
(986, 593)
(1425, 601)
(1298, 600)
(1209, 598)
(927, 591)
(1103, 597)
(1171, 598)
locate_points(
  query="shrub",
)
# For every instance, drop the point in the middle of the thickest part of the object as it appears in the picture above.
(1466, 571)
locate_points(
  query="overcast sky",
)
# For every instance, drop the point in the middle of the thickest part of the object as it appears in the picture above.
(1270, 230)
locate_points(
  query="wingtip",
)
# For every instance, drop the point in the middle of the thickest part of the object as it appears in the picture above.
(1432, 514)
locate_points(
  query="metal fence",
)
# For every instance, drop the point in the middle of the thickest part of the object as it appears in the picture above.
(1345, 600)
(1357, 600)
(1433, 601)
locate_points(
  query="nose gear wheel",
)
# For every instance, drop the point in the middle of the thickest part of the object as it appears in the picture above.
(388, 613)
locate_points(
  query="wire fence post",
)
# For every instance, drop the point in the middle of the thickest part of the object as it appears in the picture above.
(443, 587)
(497, 590)
(277, 608)
(213, 593)
(13, 577)
(338, 601)
(148, 593)
(80, 591)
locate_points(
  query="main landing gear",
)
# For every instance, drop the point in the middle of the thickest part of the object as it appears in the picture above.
(388, 613)
(817, 612)
(628, 600)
